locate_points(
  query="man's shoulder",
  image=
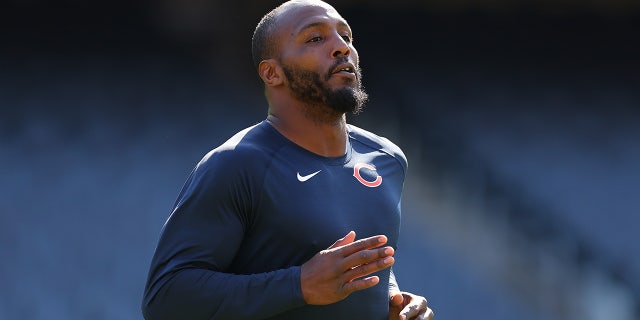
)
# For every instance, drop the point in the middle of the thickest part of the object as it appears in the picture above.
(250, 145)
(376, 142)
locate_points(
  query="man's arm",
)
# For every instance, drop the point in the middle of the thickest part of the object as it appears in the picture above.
(330, 276)
(188, 278)
(205, 294)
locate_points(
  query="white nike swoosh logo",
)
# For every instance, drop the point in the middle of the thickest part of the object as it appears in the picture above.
(307, 177)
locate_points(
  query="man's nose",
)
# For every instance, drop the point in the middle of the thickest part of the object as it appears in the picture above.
(341, 47)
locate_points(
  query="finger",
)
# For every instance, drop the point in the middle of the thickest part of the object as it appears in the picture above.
(396, 299)
(367, 269)
(360, 284)
(367, 256)
(429, 315)
(414, 308)
(349, 238)
(426, 315)
(362, 244)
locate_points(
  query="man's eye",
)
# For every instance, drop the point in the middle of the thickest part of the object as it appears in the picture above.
(314, 39)
(347, 39)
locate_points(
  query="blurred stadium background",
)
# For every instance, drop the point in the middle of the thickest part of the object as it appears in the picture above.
(520, 119)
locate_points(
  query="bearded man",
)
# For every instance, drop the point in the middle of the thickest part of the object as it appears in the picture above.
(265, 226)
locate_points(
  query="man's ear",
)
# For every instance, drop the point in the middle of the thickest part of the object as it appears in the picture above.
(270, 72)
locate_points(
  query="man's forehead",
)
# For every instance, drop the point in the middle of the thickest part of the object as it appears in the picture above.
(299, 15)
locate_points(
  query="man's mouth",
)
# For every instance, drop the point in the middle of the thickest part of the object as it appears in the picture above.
(347, 68)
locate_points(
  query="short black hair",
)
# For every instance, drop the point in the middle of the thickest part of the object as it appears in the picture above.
(263, 45)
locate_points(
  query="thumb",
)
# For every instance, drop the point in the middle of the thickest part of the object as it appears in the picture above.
(396, 299)
(349, 238)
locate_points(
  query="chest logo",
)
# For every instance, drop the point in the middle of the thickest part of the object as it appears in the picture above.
(373, 179)
(307, 177)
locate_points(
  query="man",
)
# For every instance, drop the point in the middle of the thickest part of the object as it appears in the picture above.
(246, 237)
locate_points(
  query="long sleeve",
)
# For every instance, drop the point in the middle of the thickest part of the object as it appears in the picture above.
(206, 294)
(190, 275)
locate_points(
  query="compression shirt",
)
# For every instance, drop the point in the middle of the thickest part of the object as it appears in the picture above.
(255, 209)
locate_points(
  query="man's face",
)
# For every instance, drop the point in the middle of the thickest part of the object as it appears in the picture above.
(319, 60)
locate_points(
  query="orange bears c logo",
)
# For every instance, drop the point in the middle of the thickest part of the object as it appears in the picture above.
(371, 184)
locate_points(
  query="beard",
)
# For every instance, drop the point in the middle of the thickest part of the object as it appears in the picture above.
(311, 88)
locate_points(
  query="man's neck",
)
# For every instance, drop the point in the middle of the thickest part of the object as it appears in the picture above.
(325, 137)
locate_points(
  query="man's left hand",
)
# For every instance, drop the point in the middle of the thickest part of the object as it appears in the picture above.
(408, 306)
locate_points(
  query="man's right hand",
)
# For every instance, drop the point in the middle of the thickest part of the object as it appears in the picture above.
(332, 274)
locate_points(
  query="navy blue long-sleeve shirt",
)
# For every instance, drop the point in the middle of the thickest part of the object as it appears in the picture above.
(255, 209)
